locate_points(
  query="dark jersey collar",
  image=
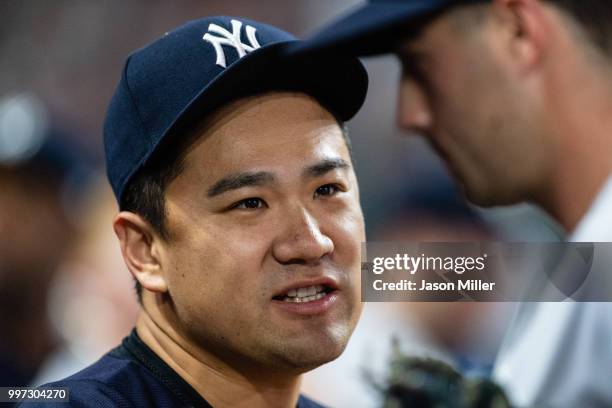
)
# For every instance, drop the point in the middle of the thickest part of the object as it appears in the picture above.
(135, 349)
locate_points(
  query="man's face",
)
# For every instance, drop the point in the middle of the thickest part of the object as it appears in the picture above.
(265, 227)
(462, 90)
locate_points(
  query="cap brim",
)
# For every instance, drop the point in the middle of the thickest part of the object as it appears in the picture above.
(369, 30)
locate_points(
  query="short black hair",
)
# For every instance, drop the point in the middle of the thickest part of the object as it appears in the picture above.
(145, 192)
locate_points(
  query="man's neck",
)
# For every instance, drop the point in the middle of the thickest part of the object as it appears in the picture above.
(574, 189)
(580, 124)
(215, 381)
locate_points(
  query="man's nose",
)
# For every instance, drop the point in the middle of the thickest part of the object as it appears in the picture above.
(413, 112)
(302, 240)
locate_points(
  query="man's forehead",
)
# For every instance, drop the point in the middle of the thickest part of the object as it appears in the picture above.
(263, 130)
(441, 27)
(287, 146)
(439, 36)
(248, 115)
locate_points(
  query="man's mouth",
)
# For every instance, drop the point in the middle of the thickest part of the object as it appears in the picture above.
(305, 294)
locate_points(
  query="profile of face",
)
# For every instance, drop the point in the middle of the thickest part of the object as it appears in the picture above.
(262, 262)
(468, 87)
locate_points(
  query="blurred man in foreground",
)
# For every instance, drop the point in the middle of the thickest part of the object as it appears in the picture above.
(516, 96)
(240, 219)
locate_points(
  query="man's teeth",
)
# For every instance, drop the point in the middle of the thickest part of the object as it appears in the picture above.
(307, 294)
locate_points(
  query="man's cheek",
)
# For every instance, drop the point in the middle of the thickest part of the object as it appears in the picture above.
(350, 226)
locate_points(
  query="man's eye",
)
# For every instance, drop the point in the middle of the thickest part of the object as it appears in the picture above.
(327, 190)
(249, 204)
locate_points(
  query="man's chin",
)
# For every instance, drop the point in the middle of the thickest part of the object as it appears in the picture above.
(489, 198)
(304, 363)
(478, 193)
(310, 352)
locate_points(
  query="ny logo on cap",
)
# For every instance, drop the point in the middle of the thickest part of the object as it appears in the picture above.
(231, 39)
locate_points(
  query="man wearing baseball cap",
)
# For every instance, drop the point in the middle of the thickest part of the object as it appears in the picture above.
(516, 96)
(240, 219)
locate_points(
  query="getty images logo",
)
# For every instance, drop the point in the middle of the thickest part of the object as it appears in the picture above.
(231, 39)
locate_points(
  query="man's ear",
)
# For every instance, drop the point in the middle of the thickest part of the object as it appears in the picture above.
(140, 247)
(526, 30)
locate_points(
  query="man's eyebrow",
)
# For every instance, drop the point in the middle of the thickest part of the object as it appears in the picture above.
(325, 166)
(240, 180)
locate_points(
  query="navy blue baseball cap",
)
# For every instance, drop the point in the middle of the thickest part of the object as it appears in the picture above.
(374, 27)
(170, 85)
